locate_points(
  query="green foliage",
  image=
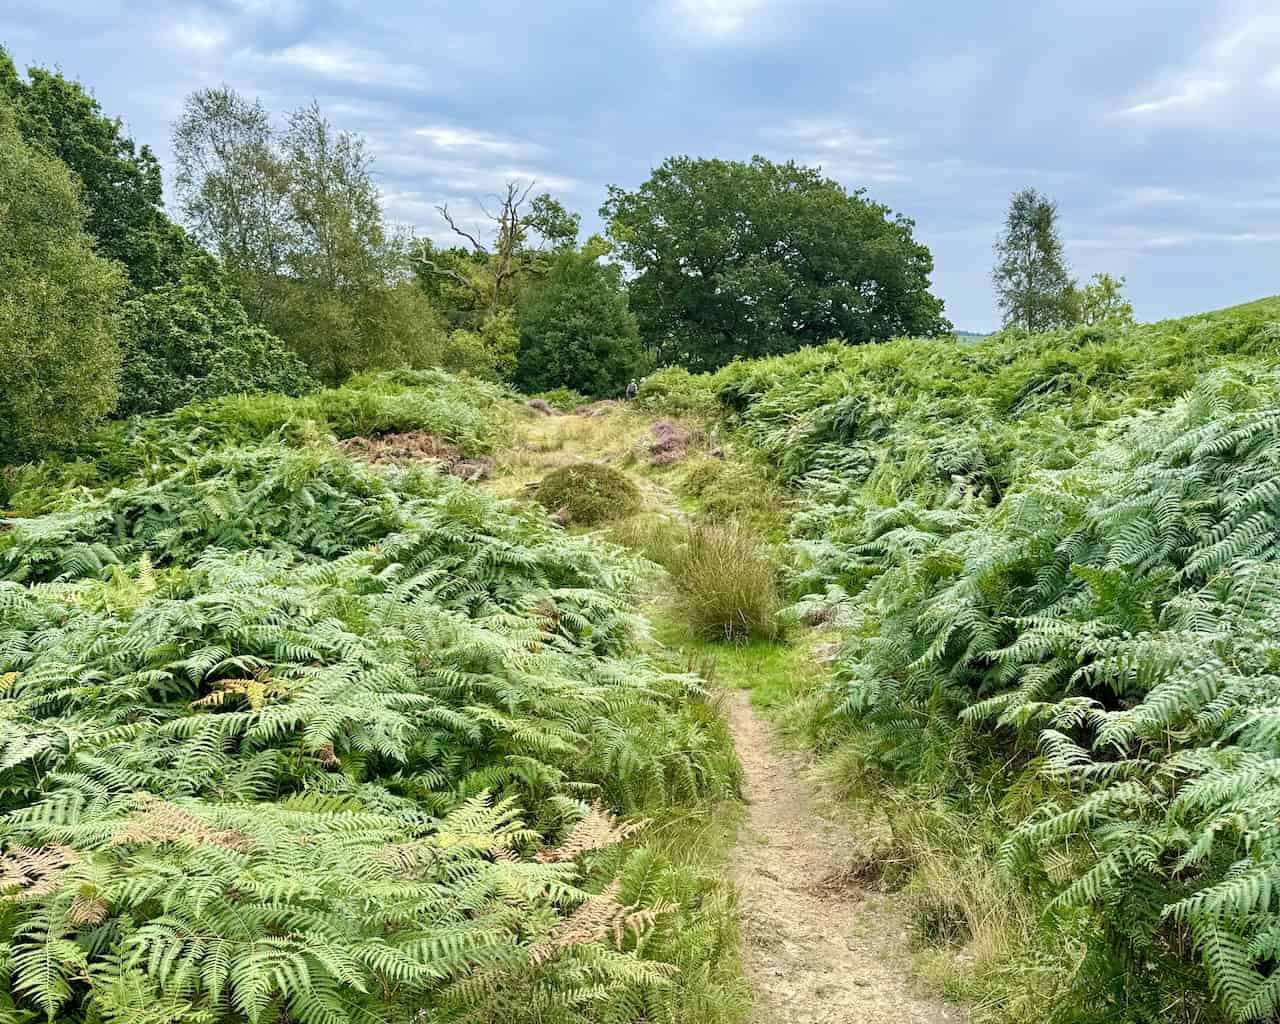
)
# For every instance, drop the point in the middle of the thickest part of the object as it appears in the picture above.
(121, 184)
(490, 351)
(675, 390)
(1059, 582)
(286, 738)
(59, 375)
(489, 276)
(191, 340)
(578, 332)
(588, 493)
(1102, 299)
(296, 219)
(750, 259)
(474, 416)
(1034, 288)
(562, 399)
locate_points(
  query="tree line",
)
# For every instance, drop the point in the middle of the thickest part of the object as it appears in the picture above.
(283, 271)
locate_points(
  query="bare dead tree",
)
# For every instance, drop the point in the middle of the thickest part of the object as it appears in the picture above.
(505, 255)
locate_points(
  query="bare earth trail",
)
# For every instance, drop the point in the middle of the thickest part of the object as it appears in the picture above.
(816, 949)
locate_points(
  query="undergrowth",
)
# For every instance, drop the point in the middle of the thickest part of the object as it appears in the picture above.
(285, 737)
(1058, 581)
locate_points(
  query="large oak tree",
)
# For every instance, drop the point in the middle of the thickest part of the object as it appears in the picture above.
(737, 259)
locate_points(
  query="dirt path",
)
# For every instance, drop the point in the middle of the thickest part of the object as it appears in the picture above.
(815, 953)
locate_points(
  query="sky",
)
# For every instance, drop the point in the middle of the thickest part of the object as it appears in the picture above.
(1153, 124)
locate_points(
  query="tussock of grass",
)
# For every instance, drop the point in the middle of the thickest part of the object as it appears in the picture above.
(726, 582)
(588, 493)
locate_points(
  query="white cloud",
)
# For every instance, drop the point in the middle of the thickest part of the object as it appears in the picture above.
(840, 149)
(456, 139)
(716, 20)
(1240, 61)
(346, 64)
(1131, 238)
(1148, 194)
(199, 36)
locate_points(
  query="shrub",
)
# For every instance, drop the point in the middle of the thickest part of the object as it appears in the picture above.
(726, 582)
(192, 341)
(60, 370)
(588, 493)
(676, 391)
(563, 399)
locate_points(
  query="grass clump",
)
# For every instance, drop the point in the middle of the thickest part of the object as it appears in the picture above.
(726, 582)
(588, 493)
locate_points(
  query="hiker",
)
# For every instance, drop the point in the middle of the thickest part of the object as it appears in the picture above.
(633, 389)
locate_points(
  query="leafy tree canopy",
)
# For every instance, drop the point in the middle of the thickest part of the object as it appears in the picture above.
(296, 218)
(749, 259)
(58, 301)
(577, 330)
(1102, 299)
(192, 340)
(121, 182)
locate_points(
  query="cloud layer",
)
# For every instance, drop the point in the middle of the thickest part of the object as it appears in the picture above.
(1152, 122)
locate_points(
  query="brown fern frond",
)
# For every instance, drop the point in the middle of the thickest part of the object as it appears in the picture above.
(598, 830)
(27, 874)
(88, 909)
(160, 822)
(601, 917)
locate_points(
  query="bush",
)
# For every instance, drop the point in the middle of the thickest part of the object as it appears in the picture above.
(562, 399)
(60, 370)
(588, 493)
(726, 582)
(192, 341)
(677, 392)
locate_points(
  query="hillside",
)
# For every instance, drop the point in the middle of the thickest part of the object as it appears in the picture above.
(290, 736)
(1055, 562)
(308, 718)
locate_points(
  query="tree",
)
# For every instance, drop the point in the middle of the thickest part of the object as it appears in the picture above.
(120, 182)
(749, 259)
(60, 362)
(233, 188)
(298, 221)
(192, 340)
(1101, 301)
(479, 280)
(577, 330)
(1034, 288)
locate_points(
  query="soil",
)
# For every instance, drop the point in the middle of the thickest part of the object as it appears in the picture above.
(817, 949)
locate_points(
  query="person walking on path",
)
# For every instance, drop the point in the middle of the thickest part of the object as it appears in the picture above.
(633, 389)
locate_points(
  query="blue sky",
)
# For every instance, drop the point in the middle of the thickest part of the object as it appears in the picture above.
(1154, 124)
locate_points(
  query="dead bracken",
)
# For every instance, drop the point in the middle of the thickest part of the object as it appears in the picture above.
(417, 446)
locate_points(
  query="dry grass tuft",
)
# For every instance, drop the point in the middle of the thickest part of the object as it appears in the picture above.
(588, 493)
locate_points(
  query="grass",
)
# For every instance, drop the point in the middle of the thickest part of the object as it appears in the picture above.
(588, 493)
